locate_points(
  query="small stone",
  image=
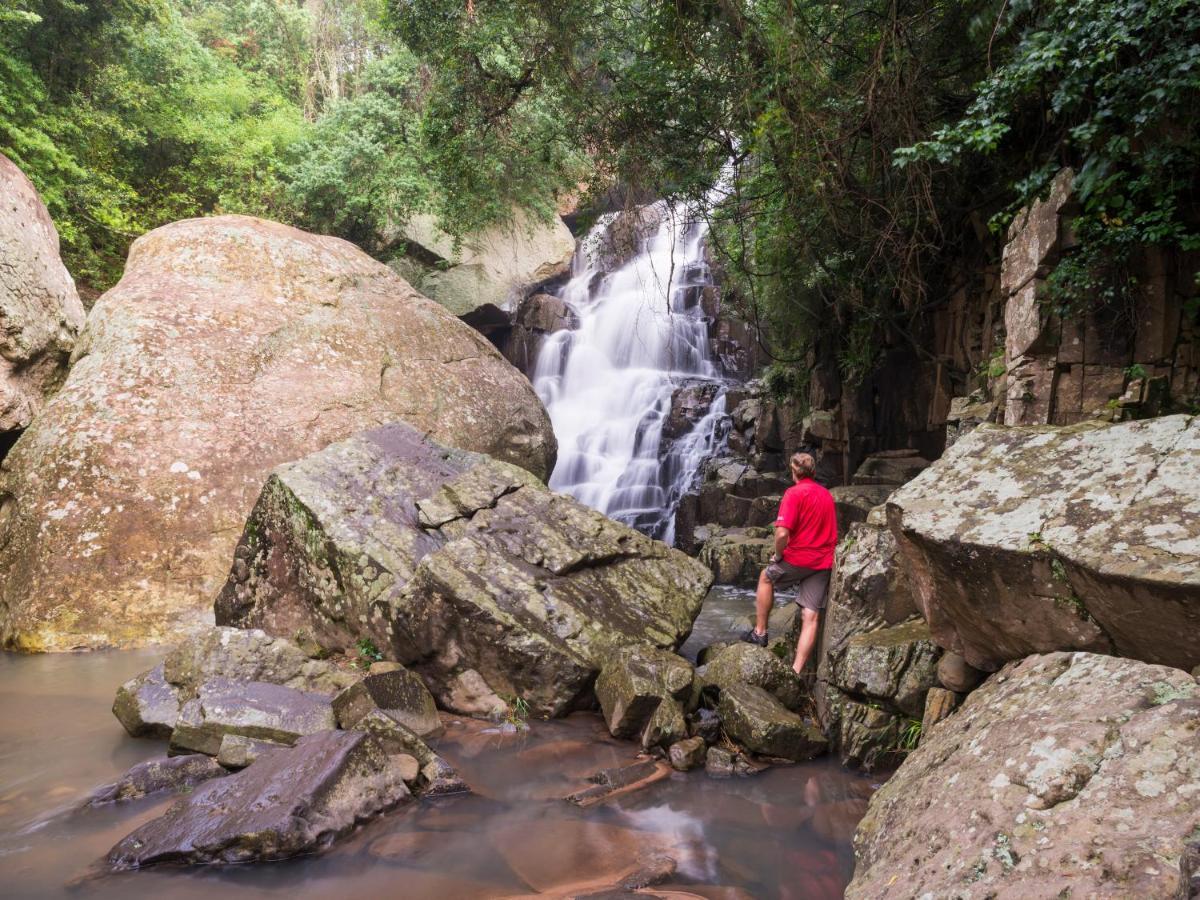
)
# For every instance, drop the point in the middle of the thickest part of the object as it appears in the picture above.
(687, 754)
(939, 703)
(238, 751)
(718, 762)
(442, 779)
(744, 768)
(956, 674)
(408, 767)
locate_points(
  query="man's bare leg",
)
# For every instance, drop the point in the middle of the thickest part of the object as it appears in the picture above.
(808, 638)
(764, 599)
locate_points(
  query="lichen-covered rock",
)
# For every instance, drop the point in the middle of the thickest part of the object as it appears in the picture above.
(465, 569)
(1066, 774)
(290, 801)
(761, 724)
(40, 312)
(399, 693)
(148, 705)
(890, 467)
(862, 733)
(894, 666)
(1027, 540)
(253, 709)
(744, 663)
(155, 775)
(635, 682)
(687, 754)
(667, 725)
(230, 345)
(394, 736)
(854, 502)
(238, 751)
(251, 654)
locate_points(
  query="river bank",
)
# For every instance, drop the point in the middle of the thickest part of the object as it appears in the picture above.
(513, 836)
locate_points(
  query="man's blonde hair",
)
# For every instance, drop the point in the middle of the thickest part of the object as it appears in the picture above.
(803, 464)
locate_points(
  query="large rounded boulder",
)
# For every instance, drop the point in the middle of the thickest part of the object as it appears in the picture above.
(40, 312)
(231, 345)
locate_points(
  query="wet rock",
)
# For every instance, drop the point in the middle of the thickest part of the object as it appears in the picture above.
(744, 768)
(238, 751)
(737, 555)
(289, 802)
(398, 693)
(147, 705)
(251, 655)
(608, 783)
(1081, 538)
(154, 775)
(689, 404)
(536, 317)
(705, 724)
(718, 762)
(134, 482)
(760, 723)
(939, 703)
(744, 663)
(468, 567)
(1065, 773)
(253, 709)
(863, 734)
(688, 754)
(956, 674)
(441, 779)
(635, 682)
(40, 312)
(394, 736)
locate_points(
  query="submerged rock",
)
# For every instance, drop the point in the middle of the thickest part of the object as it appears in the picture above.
(761, 724)
(155, 775)
(1065, 774)
(292, 801)
(40, 312)
(1027, 540)
(465, 569)
(252, 709)
(230, 345)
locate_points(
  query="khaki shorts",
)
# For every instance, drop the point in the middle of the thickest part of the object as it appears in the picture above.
(813, 583)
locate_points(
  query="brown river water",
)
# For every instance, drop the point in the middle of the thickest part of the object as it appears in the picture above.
(783, 833)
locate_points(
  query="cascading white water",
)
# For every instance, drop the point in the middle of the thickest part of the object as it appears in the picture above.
(608, 383)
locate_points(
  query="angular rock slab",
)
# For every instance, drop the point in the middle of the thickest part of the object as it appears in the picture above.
(291, 801)
(230, 345)
(465, 569)
(1066, 774)
(147, 705)
(635, 682)
(398, 693)
(40, 312)
(894, 666)
(1028, 540)
(253, 709)
(761, 724)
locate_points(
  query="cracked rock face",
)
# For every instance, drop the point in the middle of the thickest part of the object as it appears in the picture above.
(465, 569)
(1067, 774)
(1028, 540)
(40, 312)
(230, 345)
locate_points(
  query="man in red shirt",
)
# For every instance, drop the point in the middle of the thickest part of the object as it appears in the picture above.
(805, 538)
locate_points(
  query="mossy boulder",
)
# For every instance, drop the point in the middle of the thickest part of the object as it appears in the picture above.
(399, 693)
(635, 682)
(896, 666)
(761, 724)
(467, 570)
(744, 663)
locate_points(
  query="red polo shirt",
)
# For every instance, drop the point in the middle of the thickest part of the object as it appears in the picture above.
(807, 512)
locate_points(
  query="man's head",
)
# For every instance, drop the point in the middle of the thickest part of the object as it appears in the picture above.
(803, 465)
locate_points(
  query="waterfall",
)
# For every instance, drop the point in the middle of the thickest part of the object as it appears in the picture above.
(608, 384)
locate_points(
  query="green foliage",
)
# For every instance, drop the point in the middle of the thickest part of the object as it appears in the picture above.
(367, 653)
(1111, 88)
(910, 737)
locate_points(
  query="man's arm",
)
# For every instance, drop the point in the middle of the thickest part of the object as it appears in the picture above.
(782, 536)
